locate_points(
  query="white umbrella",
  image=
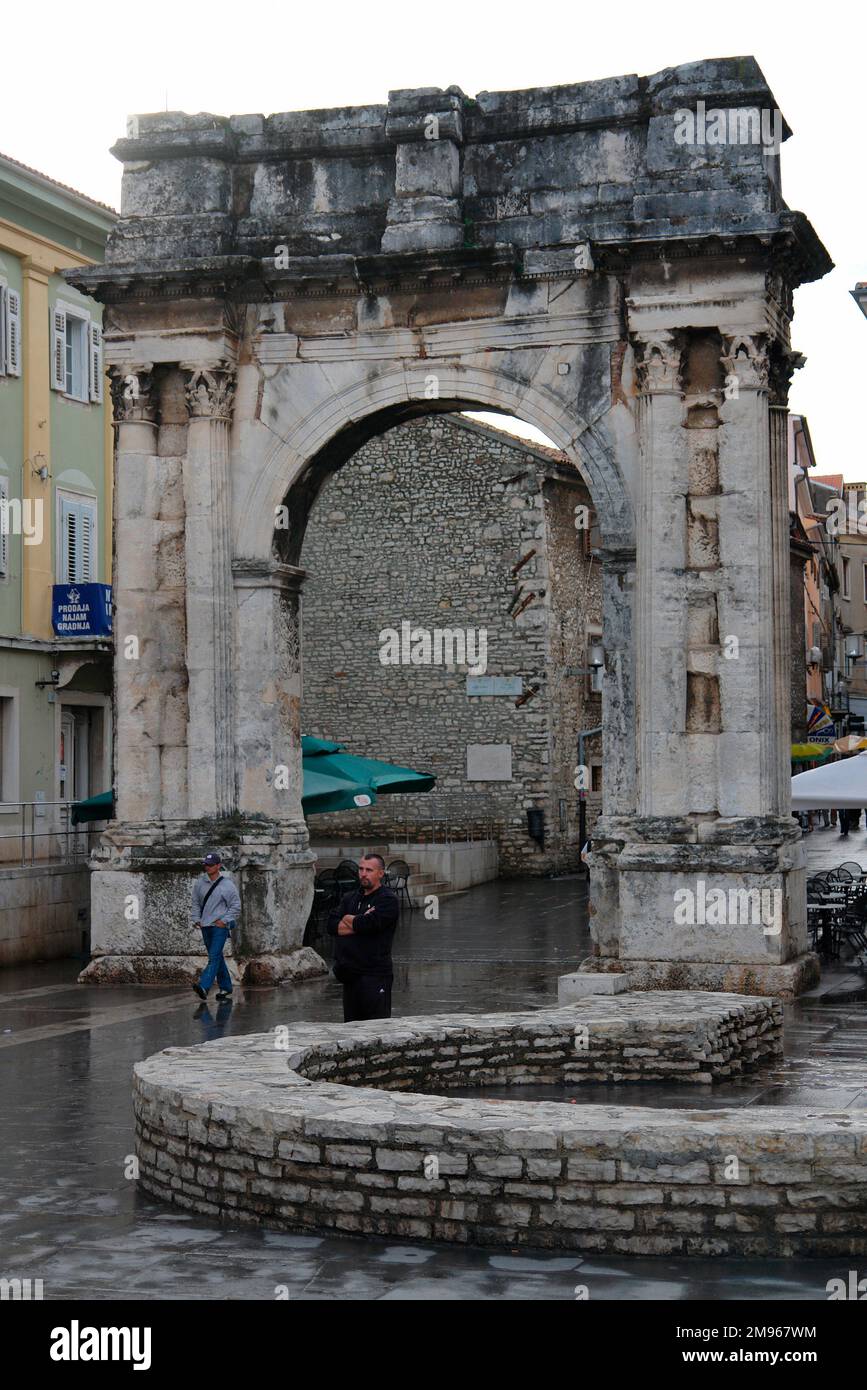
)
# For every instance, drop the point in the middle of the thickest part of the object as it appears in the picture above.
(838, 786)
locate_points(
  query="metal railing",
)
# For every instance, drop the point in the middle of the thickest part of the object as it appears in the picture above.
(447, 829)
(72, 842)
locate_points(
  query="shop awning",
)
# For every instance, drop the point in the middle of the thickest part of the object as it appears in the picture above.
(839, 786)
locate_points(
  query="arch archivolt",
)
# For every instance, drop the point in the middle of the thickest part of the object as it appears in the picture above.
(354, 394)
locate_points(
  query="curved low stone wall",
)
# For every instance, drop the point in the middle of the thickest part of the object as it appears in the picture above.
(316, 1126)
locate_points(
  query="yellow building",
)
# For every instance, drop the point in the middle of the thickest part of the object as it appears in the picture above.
(55, 537)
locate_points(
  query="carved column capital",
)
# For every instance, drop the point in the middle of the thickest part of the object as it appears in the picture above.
(659, 362)
(132, 394)
(210, 389)
(745, 358)
(781, 368)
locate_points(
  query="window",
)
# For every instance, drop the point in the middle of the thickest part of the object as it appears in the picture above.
(846, 590)
(76, 357)
(10, 331)
(76, 539)
(76, 353)
(864, 571)
(8, 745)
(5, 527)
(596, 777)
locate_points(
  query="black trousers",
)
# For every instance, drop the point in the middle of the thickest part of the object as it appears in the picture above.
(367, 996)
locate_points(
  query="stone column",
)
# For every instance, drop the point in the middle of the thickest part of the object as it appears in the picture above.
(136, 511)
(143, 868)
(210, 391)
(276, 862)
(708, 887)
(619, 749)
(200, 674)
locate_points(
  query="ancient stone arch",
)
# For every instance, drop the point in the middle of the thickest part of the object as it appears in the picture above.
(278, 290)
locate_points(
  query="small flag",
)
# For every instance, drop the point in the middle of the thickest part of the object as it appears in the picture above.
(818, 718)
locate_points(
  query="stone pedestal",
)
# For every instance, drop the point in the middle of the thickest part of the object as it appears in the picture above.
(141, 882)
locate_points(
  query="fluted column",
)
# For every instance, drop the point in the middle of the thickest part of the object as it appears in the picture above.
(660, 562)
(138, 696)
(268, 689)
(756, 585)
(780, 372)
(210, 390)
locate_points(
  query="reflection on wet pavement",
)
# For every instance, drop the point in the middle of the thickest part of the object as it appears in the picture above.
(71, 1214)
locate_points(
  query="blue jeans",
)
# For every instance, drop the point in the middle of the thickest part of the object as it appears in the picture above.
(215, 939)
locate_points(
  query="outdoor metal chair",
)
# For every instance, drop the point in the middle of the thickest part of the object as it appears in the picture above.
(397, 874)
(347, 876)
(325, 893)
(852, 868)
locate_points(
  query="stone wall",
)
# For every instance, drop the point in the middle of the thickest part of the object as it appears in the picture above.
(44, 912)
(229, 1129)
(426, 525)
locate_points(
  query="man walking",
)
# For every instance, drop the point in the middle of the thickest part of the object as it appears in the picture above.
(364, 925)
(216, 908)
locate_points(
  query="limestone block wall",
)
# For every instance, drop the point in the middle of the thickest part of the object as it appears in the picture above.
(44, 912)
(247, 1130)
(428, 524)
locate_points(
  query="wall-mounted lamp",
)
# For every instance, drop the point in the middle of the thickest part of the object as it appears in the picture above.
(54, 679)
(40, 472)
(596, 663)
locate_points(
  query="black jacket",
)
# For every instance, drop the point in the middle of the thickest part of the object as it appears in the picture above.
(368, 950)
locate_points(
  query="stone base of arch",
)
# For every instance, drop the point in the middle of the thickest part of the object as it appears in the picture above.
(780, 981)
(141, 881)
(701, 903)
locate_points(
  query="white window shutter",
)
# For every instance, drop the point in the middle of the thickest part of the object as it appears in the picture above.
(58, 348)
(77, 541)
(4, 527)
(2, 330)
(13, 332)
(95, 359)
(86, 538)
(68, 542)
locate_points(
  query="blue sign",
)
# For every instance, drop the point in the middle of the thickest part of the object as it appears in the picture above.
(495, 685)
(81, 610)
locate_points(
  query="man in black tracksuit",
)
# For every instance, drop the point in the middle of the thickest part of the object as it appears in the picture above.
(364, 925)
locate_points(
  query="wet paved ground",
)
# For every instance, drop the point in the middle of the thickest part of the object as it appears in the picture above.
(70, 1216)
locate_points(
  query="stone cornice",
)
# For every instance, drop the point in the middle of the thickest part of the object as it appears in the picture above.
(787, 242)
(266, 574)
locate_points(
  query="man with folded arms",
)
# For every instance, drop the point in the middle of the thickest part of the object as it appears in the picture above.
(364, 926)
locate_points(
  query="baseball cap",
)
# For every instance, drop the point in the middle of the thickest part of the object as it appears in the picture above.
(212, 858)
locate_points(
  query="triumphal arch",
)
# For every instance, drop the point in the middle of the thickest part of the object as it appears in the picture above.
(608, 261)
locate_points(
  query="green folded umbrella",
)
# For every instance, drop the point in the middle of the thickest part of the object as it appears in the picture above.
(385, 779)
(94, 808)
(326, 793)
(333, 781)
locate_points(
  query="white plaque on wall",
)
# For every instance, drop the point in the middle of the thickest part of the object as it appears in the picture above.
(489, 762)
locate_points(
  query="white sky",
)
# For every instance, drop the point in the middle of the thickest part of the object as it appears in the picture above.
(79, 71)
